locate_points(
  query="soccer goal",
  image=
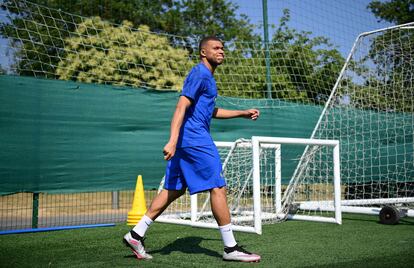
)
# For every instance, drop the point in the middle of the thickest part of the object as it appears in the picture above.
(256, 185)
(371, 111)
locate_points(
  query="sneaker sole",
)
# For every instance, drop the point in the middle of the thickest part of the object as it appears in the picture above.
(139, 256)
(242, 260)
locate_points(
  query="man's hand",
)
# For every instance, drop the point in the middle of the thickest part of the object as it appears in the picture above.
(252, 114)
(169, 151)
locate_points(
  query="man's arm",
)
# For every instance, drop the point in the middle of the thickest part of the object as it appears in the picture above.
(226, 114)
(176, 122)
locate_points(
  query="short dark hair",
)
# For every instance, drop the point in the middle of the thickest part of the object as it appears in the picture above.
(204, 40)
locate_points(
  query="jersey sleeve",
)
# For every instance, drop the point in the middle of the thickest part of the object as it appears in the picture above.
(193, 87)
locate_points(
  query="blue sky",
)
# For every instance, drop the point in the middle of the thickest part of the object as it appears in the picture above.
(339, 20)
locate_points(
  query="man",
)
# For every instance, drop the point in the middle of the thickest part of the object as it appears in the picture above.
(193, 159)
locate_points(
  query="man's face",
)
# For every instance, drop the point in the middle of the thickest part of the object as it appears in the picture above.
(213, 51)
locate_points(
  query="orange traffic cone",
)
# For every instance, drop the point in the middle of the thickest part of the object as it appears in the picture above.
(139, 206)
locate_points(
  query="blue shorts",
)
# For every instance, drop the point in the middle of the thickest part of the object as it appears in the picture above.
(198, 168)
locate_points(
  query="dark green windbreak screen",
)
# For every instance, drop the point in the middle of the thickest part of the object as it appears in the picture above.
(60, 136)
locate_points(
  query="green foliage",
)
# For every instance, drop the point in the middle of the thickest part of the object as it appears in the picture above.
(99, 52)
(382, 97)
(189, 18)
(214, 17)
(242, 73)
(309, 65)
(379, 75)
(37, 37)
(39, 32)
(396, 11)
(391, 55)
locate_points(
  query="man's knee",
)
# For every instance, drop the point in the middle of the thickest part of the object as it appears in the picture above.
(174, 194)
(180, 192)
(218, 190)
(163, 200)
(218, 193)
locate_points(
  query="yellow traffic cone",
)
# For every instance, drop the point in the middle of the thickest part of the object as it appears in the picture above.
(139, 206)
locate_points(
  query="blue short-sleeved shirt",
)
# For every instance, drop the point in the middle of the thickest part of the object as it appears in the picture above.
(201, 88)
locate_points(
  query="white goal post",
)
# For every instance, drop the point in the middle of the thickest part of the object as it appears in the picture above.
(320, 205)
(370, 110)
(256, 195)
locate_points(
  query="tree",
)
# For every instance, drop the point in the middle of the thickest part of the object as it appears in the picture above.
(391, 56)
(98, 52)
(305, 68)
(396, 11)
(185, 18)
(36, 36)
(214, 17)
(39, 31)
(391, 53)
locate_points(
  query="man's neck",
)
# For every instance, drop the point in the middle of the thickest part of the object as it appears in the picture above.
(209, 66)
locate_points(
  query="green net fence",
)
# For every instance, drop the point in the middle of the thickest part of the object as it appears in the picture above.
(72, 137)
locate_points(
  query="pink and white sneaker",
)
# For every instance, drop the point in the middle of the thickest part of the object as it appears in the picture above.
(237, 253)
(137, 247)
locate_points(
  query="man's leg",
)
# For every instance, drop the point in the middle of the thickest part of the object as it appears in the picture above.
(158, 205)
(218, 199)
(232, 252)
(162, 201)
(134, 238)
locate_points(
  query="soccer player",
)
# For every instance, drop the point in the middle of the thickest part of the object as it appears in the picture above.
(193, 159)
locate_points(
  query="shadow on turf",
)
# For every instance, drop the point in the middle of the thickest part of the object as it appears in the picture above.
(370, 218)
(406, 221)
(189, 245)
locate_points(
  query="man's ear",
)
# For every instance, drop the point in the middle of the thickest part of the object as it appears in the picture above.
(203, 52)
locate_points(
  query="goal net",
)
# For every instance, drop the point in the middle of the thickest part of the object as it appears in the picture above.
(371, 112)
(257, 187)
(49, 43)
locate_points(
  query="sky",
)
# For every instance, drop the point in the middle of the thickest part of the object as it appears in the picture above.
(339, 20)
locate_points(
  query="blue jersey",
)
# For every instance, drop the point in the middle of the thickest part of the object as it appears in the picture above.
(200, 87)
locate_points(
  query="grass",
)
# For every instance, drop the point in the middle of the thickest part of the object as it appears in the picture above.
(359, 242)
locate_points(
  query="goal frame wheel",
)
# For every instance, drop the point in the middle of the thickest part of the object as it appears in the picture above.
(389, 215)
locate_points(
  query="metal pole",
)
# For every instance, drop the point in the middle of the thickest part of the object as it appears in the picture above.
(35, 210)
(337, 184)
(115, 200)
(256, 186)
(267, 54)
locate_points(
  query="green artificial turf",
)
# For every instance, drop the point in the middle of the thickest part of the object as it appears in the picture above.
(359, 242)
